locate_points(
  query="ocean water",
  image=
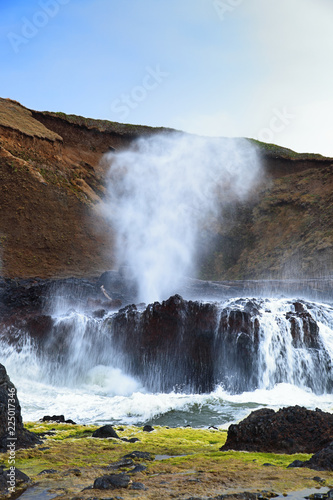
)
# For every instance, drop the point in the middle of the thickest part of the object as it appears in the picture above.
(91, 386)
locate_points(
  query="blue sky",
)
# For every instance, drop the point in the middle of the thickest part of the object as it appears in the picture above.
(254, 68)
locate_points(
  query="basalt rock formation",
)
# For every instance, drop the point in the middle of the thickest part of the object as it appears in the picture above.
(52, 187)
(194, 346)
(289, 430)
(177, 344)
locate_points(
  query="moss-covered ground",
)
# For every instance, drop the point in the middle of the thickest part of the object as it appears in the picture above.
(187, 463)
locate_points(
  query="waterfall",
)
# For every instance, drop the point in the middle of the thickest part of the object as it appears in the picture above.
(191, 347)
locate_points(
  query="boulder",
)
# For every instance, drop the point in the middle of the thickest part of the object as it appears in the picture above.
(105, 432)
(322, 460)
(11, 479)
(59, 419)
(140, 455)
(111, 482)
(289, 430)
(13, 435)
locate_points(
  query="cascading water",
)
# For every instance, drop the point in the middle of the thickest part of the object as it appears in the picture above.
(179, 361)
(247, 352)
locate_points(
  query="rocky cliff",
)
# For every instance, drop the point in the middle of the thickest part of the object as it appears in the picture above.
(52, 183)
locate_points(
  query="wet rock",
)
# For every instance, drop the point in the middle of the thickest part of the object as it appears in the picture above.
(201, 345)
(11, 478)
(319, 479)
(188, 329)
(304, 329)
(60, 419)
(141, 455)
(13, 435)
(111, 482)
(131, 440)
(322, 460)
(138, 468)
(105, 431)
(72, 472)
(118, 285)
(48, 471)
(295, 463)
(289, 430)
(123, 462)
(100, 313)
(148, 428)
(138, 486)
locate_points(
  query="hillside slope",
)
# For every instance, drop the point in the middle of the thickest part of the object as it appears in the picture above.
(52, 181)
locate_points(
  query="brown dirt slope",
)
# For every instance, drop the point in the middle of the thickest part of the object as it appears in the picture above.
(52, 182)
(284, 231)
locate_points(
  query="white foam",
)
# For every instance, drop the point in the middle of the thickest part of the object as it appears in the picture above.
(161, 192)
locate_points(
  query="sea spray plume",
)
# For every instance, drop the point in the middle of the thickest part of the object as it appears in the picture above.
(161, 191)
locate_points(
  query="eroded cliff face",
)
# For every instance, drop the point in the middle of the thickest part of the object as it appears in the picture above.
(286, 231)
(52, 185)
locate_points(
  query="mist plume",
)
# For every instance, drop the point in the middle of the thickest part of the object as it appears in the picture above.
(161, 191)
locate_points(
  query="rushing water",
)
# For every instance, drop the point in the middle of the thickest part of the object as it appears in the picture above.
(79, 373)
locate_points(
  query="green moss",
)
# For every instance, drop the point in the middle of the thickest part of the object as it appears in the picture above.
(190, 452)
(285, 153)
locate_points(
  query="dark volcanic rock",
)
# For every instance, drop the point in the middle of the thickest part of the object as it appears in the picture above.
(111, 482)
(140, 455)
(169, 345)
(138, 486)
(138, 468)
(308, 335)
(57, 418)
(193, 346)
(123, 462)
(175, 345)
(322, 460)
(118, 285)
(13, 435)
(11, 478)
(295, 463)
(148, 428)
(105, 432)
(289, 430)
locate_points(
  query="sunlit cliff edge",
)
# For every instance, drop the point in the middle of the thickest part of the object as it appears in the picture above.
(52, 183)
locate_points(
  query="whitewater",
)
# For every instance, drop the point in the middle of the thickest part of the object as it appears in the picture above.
(90, 384)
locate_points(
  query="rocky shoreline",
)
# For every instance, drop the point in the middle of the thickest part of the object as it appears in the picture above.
(267, 454)
(163, 462)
